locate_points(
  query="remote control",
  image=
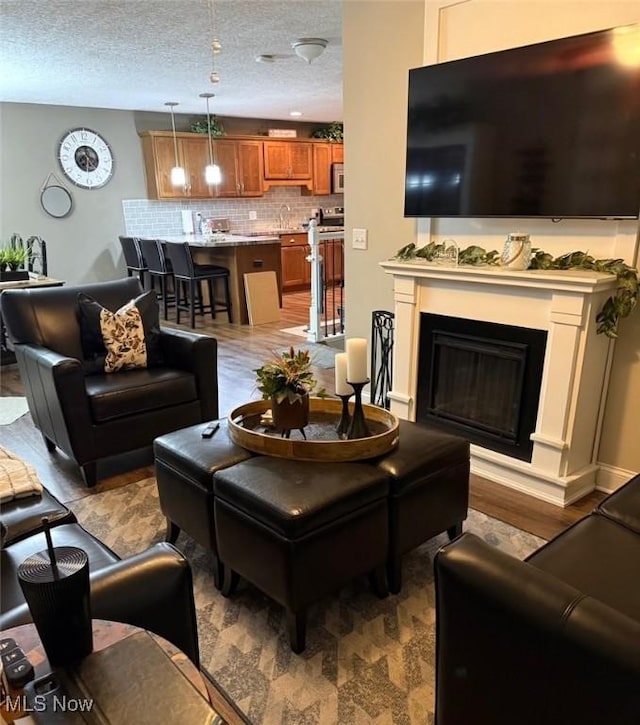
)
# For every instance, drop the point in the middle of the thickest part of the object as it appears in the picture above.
(210, 429)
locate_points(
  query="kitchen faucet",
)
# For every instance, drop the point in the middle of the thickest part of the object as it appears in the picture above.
(283, 216)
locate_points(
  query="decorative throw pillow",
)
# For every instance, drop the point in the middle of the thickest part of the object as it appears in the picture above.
(124, 339)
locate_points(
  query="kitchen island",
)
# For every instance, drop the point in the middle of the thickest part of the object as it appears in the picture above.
(240, 255)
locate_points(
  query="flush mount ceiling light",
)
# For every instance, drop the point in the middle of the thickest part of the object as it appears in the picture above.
(309, 48)
(178, 176)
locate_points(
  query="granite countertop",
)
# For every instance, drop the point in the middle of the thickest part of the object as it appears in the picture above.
(222, 240)
(226, 239)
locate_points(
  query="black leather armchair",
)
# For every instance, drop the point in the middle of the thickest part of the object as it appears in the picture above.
(90, 417)
(554, 639)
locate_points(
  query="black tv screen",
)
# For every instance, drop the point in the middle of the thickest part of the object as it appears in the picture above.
(546, 130)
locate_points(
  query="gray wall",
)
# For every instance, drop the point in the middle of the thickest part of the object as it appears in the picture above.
(83, 246)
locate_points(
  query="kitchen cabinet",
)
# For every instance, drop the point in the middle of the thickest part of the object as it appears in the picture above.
(159, 158)
(321, 168)
(337, 153)
(241, 165)
(240, 259)
(250, 166)
(296, 271)
(287, 160)
(332, 253)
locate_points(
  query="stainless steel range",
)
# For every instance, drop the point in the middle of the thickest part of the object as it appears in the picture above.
(331, 217)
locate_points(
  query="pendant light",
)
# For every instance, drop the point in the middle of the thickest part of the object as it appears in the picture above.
(216, 45)
(178, 176)
(212, 173)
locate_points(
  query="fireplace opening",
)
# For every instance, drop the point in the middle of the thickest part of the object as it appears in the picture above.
(481, 380)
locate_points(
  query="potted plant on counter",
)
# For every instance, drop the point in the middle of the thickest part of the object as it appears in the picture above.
(287, 380)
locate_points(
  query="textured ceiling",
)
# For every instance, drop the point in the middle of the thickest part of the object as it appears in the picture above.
(137, 54)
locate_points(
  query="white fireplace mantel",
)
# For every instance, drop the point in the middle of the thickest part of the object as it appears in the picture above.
(576, 362)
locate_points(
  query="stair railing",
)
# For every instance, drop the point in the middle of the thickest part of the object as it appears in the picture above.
(326, 310)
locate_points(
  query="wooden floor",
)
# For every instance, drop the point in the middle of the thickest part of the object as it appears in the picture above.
(241, 349)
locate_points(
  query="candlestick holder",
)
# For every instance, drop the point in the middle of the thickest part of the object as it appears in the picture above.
(358, 427)
(345, 418)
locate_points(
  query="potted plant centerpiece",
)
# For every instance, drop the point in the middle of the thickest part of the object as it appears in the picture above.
(287, 381)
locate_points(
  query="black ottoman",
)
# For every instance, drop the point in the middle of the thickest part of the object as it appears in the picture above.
(428, 493)
(185, 463)
(298, 530)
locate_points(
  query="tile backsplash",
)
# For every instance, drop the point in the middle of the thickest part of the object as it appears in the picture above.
(146, 217)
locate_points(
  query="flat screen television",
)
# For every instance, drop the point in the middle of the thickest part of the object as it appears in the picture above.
(546, 130)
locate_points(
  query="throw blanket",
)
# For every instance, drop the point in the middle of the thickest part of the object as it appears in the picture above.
(17, 478)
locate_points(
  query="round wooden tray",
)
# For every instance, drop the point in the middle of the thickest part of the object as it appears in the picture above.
(323, 443)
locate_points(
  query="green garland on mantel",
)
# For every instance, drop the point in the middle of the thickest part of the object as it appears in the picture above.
(619, 305)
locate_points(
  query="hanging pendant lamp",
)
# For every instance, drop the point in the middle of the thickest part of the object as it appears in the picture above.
(178, 175)
(212, 173)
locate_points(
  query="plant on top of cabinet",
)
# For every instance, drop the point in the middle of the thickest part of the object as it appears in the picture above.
(200, 126)
(332, 132)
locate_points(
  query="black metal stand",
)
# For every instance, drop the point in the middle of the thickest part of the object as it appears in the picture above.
(358, 427)
(345, 418)
(381, 357)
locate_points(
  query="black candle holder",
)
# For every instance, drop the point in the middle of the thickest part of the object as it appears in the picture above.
(358, 427)
(345, 418)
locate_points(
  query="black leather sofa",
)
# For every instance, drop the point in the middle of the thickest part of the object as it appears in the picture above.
(553, 640)
(93, 416)
(152, 590)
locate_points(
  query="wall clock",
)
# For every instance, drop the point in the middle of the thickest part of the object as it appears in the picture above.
(86, 158)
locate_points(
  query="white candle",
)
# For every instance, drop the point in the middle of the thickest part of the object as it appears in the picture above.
(342, 387)
(357, 360)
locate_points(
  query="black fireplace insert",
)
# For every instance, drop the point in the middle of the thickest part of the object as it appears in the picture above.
(481, 380)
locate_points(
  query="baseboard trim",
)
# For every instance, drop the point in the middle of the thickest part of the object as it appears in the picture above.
(610, 478)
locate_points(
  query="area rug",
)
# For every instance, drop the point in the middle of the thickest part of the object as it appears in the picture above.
(367, 660)
(11, 409)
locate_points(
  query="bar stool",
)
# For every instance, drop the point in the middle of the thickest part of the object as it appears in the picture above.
(161, 268)
(190, 276)
(133, 258)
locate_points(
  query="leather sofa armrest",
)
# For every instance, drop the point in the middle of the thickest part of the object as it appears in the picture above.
(152, 590)
(55, 390)
(197, 354)
(515, 644)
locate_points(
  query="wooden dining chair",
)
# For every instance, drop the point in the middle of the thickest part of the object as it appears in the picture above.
(189, 277)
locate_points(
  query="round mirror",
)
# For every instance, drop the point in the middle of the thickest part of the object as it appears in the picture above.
(56, 201)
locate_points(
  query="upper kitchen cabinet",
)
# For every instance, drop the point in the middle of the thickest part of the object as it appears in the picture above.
(159, 159)
(288, 163)
(242, 168)
(324, 155)
(321, 168)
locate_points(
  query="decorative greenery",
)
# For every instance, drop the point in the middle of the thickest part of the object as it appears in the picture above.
(332, 132)
(287, 376)
(200, 126)
(619, 305)
(15, 255)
